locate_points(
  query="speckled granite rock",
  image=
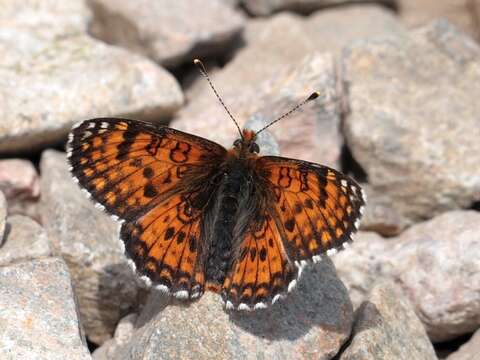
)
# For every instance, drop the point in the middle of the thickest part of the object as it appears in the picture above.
(53, 74)
(38, 314)
(387, 328)
(169, 31)
(420, 151)
(463, 14)
(381, 215)
(20, 183)
(435, 263)
(123, 334)
(311, 323)
(88, 240)
(24, 239)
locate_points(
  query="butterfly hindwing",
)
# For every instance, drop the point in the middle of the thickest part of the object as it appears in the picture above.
(164, 244)
(262, 271)
(151, 178)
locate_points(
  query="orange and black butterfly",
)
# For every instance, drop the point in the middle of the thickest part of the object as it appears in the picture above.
(196, 216)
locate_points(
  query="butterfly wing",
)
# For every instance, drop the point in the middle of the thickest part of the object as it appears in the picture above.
(155, 180)
(262, 271)
(309, 210)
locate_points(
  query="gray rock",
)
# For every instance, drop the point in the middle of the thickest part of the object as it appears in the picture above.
(88, 240)
(20, 183)
(363, 263)
(469, 350)
(421, 152)
(460, 13)
(266, 7)
(315, 134)
(123, 333)
(435, 263)
(25, 239)
(387, 328)
(53, 74)
(311, 323)
(38, 314)
(169, 31)
(285, 39)
(381, 215)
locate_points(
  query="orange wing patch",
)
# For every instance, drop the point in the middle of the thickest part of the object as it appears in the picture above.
(262, 272)
(165, 244)
(316, 207)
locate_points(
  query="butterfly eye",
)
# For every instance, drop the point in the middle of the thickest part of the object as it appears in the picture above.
(254, 148)
(237, 143)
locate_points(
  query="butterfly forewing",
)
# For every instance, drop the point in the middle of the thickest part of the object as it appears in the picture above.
(316, 207)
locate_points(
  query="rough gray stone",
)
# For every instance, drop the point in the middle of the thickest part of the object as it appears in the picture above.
(469, 350)
(38, 314)
(88, 241)
(169, 31)
(421, 152)
(24, 239)
(311, 323)
(315, 135)
(387, 328)
(285, 39)
(381, 216)
(436, 264)
(266, 7)
(463, 14)
(53, 74)
(20, 183)
(123, 333)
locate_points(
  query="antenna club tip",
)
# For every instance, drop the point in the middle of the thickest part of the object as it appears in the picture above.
(196, 61)
(313, 96)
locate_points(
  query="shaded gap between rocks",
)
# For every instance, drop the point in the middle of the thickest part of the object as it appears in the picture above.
(91, 346)
(475, 206)
(350, 166)
(306, 9)
(443, 349)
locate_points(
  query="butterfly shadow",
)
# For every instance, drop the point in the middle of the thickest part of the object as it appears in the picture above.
(320, 301)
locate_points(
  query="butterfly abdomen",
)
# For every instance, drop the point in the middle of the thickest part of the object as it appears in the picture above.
(230, 195)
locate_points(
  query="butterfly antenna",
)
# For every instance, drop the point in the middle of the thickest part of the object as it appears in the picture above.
(203, 71)
(313, 96)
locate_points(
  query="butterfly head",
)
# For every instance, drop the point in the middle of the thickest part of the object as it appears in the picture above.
(246, 145)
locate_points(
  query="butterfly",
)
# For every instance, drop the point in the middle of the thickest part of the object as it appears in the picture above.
(196, 216)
